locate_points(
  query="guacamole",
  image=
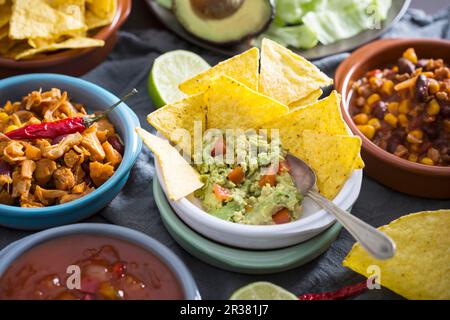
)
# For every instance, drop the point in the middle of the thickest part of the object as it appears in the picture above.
(248, 183)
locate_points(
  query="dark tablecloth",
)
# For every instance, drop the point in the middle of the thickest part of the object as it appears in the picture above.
(129, 65)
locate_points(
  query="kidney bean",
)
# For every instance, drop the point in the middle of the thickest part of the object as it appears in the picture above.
(393, 143)
(445, 109)
(5, 168)
(421, 88)
(422, 63)
(379, 109)
(405, 66)
(85, 167)
(116, 143)
(431, 132)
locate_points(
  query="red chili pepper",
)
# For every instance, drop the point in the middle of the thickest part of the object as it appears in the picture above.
(49, 130)
(342, 293)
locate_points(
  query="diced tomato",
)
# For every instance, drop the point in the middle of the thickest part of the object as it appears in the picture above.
(221, 193)
(282, 216)
(284, 166)
(236, 175)
(220, 148)
(268, 179)
(89, 285)
(118, 269)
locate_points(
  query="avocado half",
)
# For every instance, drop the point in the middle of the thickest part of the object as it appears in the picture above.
(224, 21)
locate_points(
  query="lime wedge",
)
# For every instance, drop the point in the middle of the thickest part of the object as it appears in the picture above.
(262, 291)
(168, 71)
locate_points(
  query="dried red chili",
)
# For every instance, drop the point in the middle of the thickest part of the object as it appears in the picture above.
(342, 293)
(50, 130)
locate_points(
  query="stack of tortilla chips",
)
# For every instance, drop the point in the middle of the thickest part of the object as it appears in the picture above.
(277, 91)
(32, 27)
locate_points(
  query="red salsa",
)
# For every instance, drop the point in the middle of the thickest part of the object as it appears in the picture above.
(405, 109)
(111, 269)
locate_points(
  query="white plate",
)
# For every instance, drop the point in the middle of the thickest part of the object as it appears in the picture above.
(312, 221)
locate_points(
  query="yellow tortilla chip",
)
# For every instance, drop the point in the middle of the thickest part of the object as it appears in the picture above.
(331, 157)
(73, 43)
(5, 14)
(179, 115)
(232, 105)
(100, 13)
(179, 177)
(286, 76)
(4, 32)
(324, 116)
(420, 268)
(37, 19)
(2, 2)
(243, 68)
(310, 98)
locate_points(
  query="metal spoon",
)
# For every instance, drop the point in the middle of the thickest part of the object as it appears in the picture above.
(377, 244)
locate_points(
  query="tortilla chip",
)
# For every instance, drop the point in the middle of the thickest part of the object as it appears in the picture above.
(180, 178)
(73, 43)
(286, 76)
(4, 31)
(420, 268)
(100, 13)
(5, 14)
(179, 115)
(232, 105)
(310, 98)
(331, 157)
(243, 68)
(37, 19)
(324, 116)
(2, 2)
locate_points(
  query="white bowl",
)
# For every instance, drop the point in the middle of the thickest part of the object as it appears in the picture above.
(312, 221)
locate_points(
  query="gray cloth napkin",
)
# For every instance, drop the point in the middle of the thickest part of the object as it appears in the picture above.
(129, 65)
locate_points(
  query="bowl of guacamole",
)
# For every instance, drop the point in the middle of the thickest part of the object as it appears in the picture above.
(249, 182)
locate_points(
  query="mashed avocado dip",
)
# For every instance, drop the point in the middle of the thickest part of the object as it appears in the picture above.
(250, 186)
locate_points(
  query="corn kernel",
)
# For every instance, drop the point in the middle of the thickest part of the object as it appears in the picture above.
(427, 161)
(393, 107)
(4, 118)
(387, 87)
(374, 97)
(433, 86)
(375, 82)
(374, 122)
(395, 68)
(415, 136)
(403, 120)
(11, 128)
(410, 54)
(413, 157)
(367, 130)
(361, 118)
(433, 108)
(366, 109)
(391, 119)
(405, 106)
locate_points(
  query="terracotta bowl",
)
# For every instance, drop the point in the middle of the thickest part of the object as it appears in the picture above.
(399, 174)
(74, 62)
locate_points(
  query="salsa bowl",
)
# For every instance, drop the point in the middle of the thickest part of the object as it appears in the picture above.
(397, 173)
(95, 98)
(263, 237)
(185, 282)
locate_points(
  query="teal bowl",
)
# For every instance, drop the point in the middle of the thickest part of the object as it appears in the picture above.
(94, 98)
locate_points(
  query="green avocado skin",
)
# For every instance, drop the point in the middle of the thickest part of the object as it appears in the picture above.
(251, 19)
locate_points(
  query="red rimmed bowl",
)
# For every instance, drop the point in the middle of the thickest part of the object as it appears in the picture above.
(399, 174)
(74, 62)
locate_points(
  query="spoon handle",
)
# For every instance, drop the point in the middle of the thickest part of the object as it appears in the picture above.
(377, 244)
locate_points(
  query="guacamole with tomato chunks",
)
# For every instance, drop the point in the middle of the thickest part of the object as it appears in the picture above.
(252, 185)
